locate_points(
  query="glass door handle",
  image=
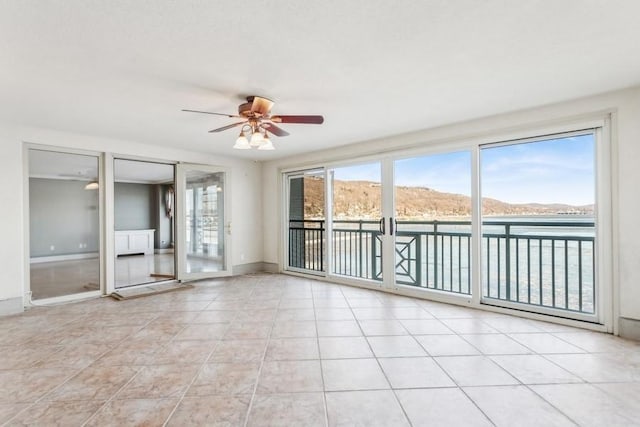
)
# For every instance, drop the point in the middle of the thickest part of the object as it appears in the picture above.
(382, 225)
(391, 225)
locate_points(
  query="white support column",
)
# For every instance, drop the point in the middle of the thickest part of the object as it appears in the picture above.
(476, 228)
(328, 223)
(388, 212)
(107, 265)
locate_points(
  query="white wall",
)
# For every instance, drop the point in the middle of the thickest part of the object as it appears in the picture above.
(245, 182)
(625, 106)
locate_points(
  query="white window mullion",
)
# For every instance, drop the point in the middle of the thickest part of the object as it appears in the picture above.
(476, 228)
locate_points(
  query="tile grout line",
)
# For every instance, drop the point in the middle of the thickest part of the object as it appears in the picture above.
(198, 371)
(551, 404)
(264, 355)
(110, 399)
(324, 392)
(395, 395)
(458, 386)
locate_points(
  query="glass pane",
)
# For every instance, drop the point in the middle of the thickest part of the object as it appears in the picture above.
(204, 222)
(144, 222)
(433, 228)
(356, 213)
(306, 221)
(538, 223)
(64, 224)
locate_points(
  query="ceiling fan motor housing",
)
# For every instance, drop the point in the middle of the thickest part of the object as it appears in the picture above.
(255, 107)
(245, 109)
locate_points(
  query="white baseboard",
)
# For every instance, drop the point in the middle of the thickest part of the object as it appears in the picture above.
(11, 306)
(68, 257)
(254, 267)
(629, 328)
(270, 267)
(164, 251)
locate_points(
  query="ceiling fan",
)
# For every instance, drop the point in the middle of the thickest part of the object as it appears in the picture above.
(257, 122)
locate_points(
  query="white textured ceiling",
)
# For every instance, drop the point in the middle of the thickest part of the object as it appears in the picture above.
(124, 69)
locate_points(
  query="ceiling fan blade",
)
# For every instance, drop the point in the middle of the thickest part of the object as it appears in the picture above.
(314, 120)
(215, 114)
(261, 105)
(227, 127)
(275, 129)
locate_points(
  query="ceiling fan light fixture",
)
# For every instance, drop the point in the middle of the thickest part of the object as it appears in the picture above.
(242, 143)
(256, 138)
(266, 143)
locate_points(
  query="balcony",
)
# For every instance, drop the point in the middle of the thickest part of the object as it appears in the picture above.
(541, 263)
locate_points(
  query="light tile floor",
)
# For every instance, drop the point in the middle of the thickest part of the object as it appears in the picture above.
(278, 350)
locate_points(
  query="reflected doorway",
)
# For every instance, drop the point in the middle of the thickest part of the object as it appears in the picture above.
(64, 224)
(144, 208)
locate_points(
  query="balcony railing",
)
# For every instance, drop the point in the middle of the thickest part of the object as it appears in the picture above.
(544, 263)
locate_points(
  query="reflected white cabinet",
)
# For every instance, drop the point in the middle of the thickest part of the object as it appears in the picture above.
(129, 242)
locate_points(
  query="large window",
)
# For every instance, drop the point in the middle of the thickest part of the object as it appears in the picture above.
(538, 209)
(510, 224)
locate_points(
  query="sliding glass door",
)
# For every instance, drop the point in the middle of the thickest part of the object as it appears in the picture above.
(525, 238)
(432, 217)
(143, 208)
(349, 242)
(357, 223)
(306, 240)
(64, 224)
(539, 224)
(203, 222)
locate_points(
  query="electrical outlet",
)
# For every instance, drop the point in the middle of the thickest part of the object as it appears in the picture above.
(241, 257)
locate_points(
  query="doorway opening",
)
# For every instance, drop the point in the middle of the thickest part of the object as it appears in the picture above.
(144, 208)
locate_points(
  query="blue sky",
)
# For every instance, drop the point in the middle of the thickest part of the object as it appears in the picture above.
(449, 173)
(552, 171)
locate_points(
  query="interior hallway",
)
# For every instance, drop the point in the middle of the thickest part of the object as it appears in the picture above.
(275, 349)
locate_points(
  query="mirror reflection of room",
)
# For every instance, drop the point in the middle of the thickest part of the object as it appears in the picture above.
(64, 224)
(144, 196)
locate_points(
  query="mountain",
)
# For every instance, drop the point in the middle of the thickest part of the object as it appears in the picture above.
(362, 199)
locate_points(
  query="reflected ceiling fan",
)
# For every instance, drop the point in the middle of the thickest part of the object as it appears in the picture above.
(257, 122)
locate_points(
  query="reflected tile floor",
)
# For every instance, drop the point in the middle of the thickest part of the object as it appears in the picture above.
(270, 349)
